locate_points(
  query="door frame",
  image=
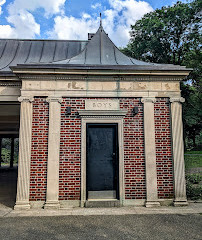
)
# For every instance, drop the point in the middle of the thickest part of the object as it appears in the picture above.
(102, 120)
(116, 148)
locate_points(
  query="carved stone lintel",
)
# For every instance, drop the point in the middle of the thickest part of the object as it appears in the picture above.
(102, 114)
(54, 99)
(179, 99)
(148, 99)
(26, 99)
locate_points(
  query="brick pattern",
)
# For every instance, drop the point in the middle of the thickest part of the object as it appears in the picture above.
(163, 148)
(134, 160)
(39, 154)
(70, 153)
(70, 150)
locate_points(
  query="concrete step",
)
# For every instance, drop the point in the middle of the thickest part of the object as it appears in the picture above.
(102, 203)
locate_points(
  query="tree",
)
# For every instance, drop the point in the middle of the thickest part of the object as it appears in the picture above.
(173, 35)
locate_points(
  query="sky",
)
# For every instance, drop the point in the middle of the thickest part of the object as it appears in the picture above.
(73, 19)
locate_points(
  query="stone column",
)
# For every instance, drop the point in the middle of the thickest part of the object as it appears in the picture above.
(52, 194)
(150, 153)
(178, 152)
(24, 160)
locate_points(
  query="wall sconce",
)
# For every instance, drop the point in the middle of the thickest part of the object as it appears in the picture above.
(135, 111)
(68, 110)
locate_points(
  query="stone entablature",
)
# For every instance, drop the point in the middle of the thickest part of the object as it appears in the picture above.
(95, 87)
(110, 85)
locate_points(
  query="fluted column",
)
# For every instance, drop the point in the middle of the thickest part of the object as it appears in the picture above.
(25, 139)
(150, 153)
(178, 152)
(52, 194)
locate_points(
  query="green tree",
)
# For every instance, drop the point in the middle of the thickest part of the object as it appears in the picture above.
(173, 35)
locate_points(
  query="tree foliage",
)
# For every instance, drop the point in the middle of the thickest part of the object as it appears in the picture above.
(173, 35)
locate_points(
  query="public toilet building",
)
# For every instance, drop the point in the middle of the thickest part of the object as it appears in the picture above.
(97, 128)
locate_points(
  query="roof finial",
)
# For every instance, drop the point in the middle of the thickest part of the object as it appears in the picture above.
(100, 19)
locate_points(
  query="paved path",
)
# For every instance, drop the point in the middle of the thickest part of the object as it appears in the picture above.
(193, 208)
(114, 227)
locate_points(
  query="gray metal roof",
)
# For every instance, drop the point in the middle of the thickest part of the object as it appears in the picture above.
(98, 53)
(17, 51)
(100, 50)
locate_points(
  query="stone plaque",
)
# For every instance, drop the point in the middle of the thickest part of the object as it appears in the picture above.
(111, 104)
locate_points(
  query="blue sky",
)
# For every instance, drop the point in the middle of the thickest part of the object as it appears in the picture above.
(72, 19)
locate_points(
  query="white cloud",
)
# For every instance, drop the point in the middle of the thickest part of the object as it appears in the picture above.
(2, 2)
(97, 5)
(73, 28)
(6, 31)
(24, 26)
(23, 23)
(50, 6)
(116, 21)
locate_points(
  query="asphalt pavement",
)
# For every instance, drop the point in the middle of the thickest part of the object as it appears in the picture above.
(114, 227)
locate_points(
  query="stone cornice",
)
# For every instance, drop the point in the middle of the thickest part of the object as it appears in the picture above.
(103, 77)
(10, 84)
(179, 100)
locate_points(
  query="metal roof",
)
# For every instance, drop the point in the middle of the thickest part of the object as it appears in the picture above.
(98, 53)
(19, 51)
(100, 50)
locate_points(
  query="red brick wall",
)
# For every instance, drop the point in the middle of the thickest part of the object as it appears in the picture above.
(163, 148)
(134, 160)
(39, 154)
(70, 149)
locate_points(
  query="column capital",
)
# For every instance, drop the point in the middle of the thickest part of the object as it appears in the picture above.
(26, 99)
(54, 99)
(177, 99)
(148, 99)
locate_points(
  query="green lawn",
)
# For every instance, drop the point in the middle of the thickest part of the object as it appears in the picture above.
(193, 159)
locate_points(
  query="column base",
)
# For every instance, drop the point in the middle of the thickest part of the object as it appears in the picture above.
(151, 204)
(22, 206)
(180, 203)
(82, 203)
(52, 205)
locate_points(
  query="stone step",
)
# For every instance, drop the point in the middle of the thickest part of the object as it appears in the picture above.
(102, 203)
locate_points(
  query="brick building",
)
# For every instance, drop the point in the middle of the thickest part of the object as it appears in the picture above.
(97, 128)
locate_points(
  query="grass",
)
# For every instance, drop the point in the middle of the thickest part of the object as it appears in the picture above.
(193, 159)
(193, 152)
